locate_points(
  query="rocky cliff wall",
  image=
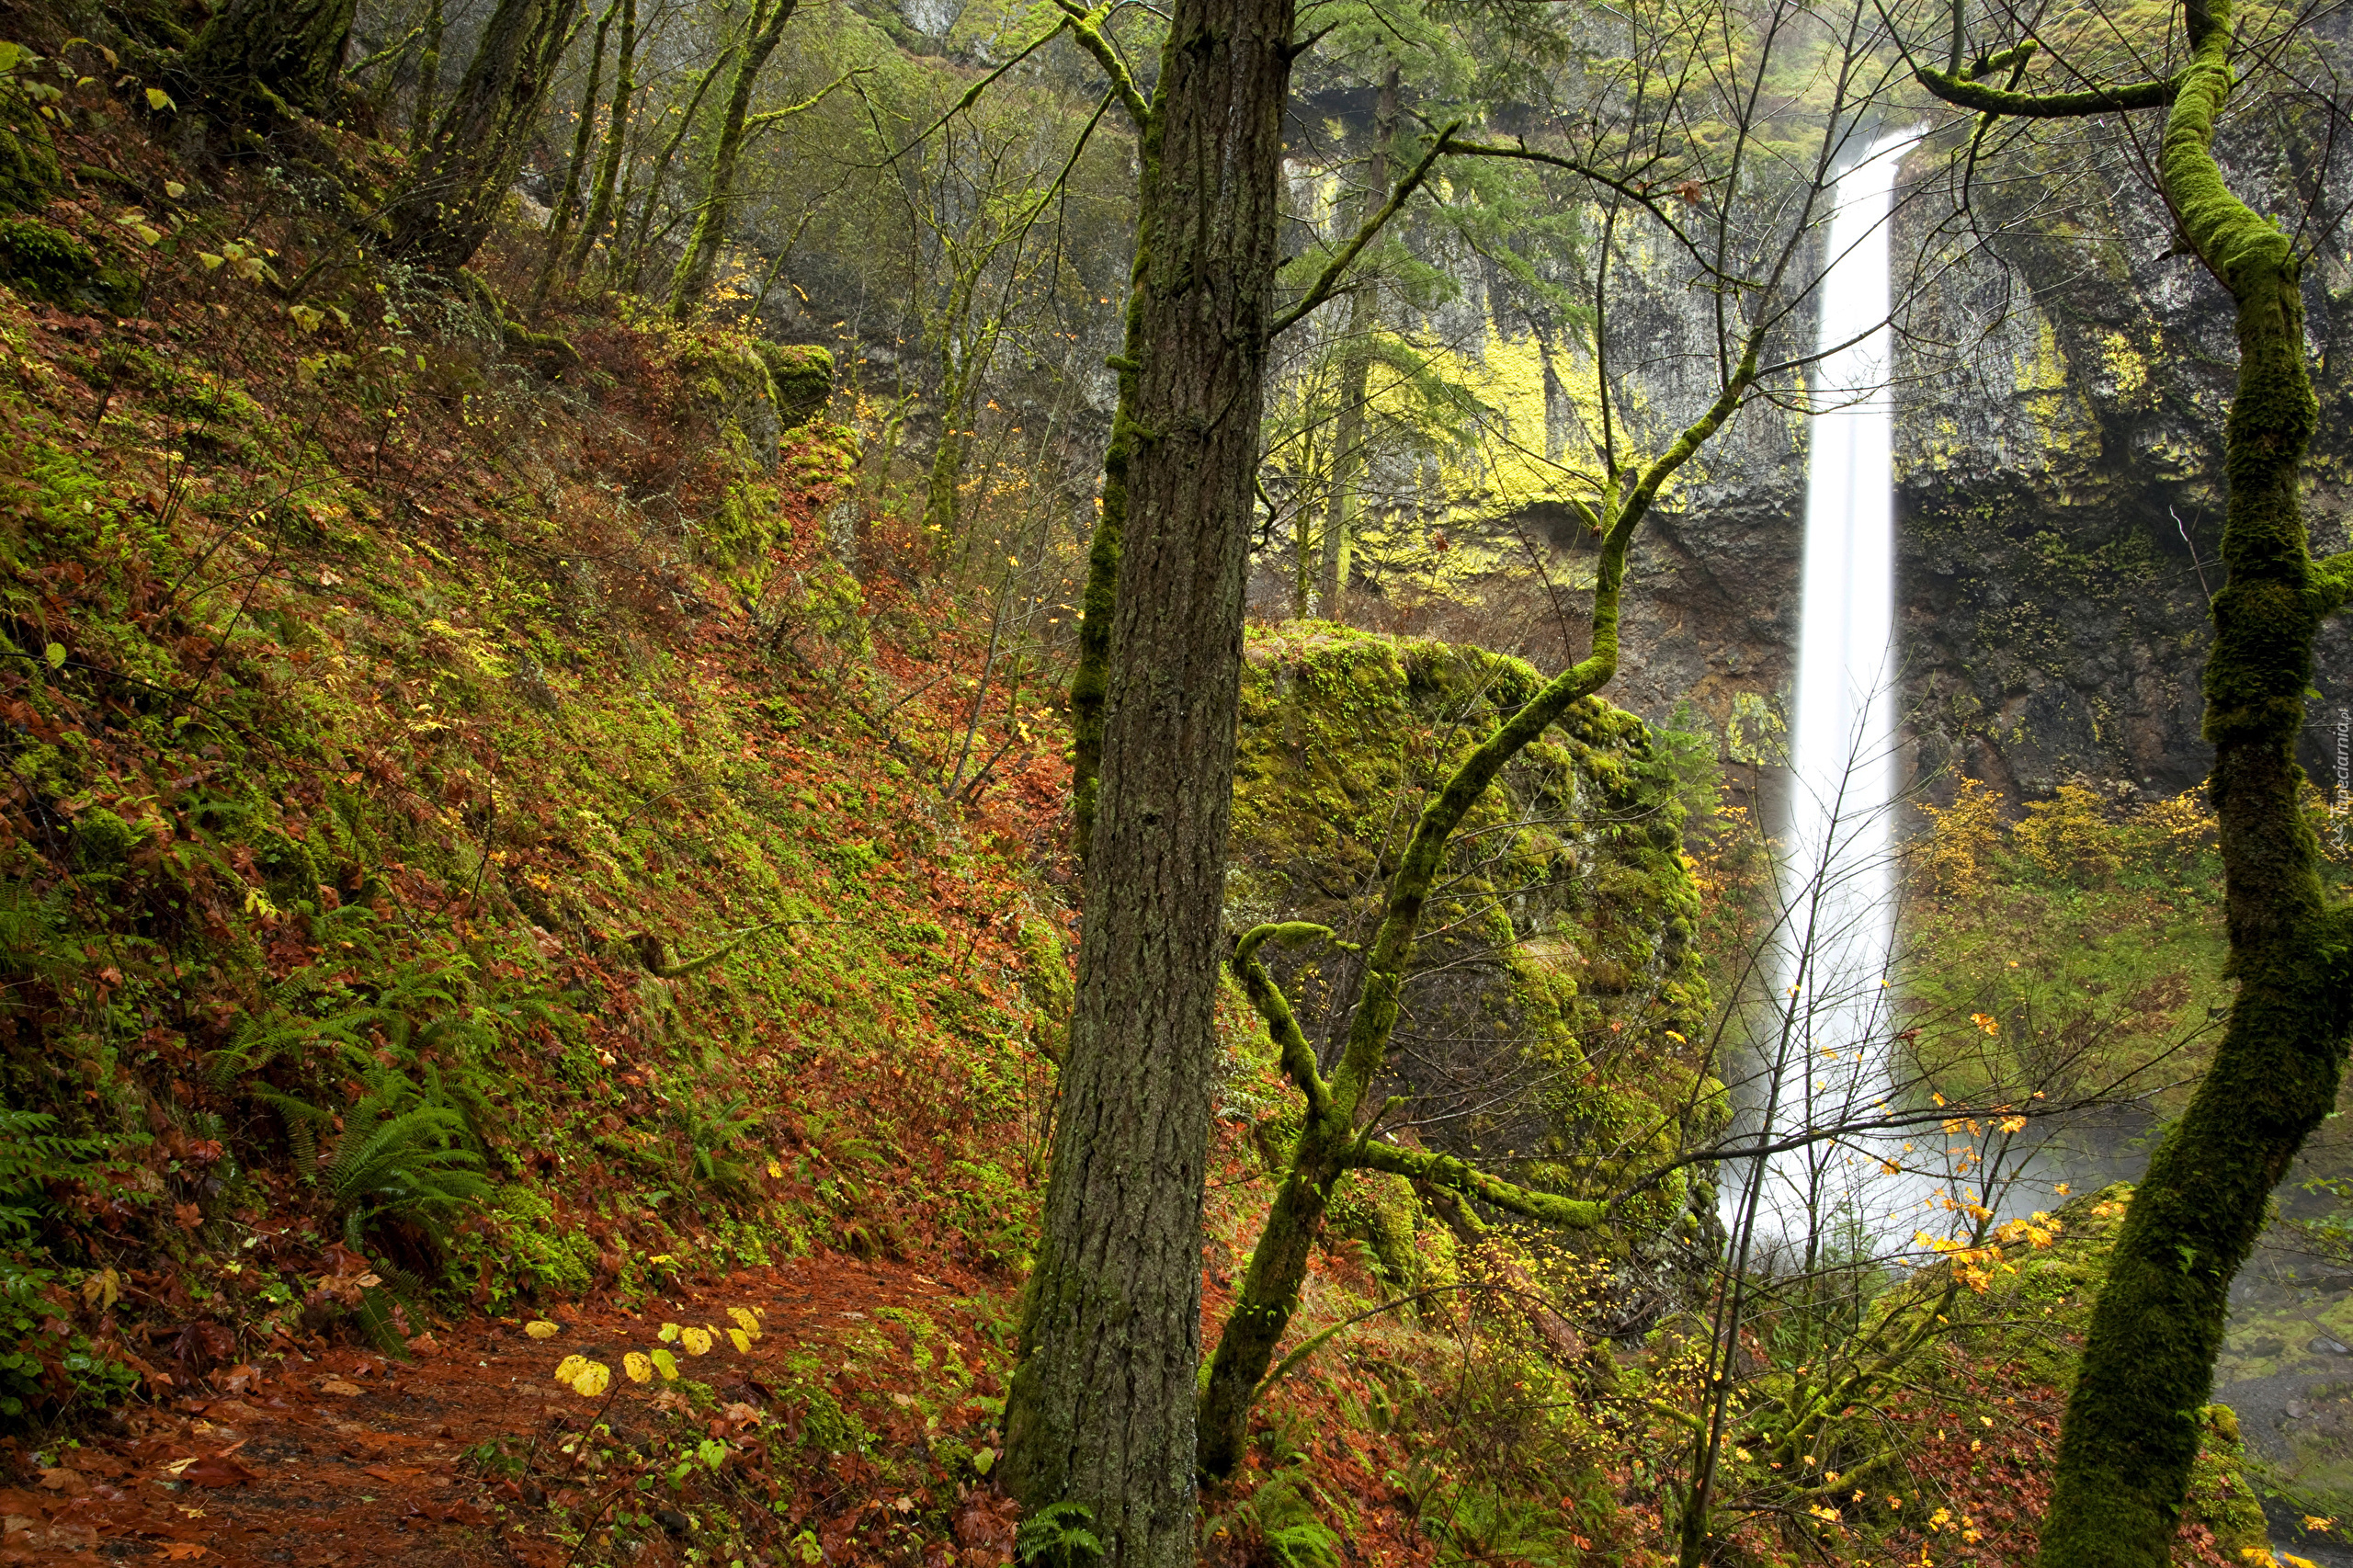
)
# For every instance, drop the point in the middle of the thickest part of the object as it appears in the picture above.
(2059, 401)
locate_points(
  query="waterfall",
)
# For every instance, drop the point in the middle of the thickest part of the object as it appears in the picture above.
(1825, 1058)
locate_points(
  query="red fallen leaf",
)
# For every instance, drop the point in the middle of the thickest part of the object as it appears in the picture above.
(987, 1524)
(218, 1469)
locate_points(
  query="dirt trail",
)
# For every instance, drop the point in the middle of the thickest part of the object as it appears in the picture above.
(347, 1457)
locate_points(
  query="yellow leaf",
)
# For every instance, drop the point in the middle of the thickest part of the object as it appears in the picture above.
(160, 100)
(776, 1172)
(639, 1368)
(101, 1290)
(569, 1367)
(666, 1364)
(745, 1321)
(743, 1341)
(175, 189)
(539, 1328)
(695, 1340)
(211, 262)
(669, 1334)
(592, 1380)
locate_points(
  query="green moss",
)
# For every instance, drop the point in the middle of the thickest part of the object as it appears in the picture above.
(29, 171)
(801, 378)
(45, 262)
(103, 841)
(532, 1250)
(1579, 923)
(1380, 1211)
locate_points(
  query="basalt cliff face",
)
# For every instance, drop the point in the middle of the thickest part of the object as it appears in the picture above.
(2060, 402)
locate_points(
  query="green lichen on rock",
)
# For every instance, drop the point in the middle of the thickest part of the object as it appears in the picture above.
(1558, 985)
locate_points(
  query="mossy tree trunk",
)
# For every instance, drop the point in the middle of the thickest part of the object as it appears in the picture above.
(609, 163)
(260, 60)
(444, 209)
(2131, 1429)
(1335, 1137)
(428, 81)
(1091, 677)
(1355, 367)
(583, 131)
(631, 265)
(1102, 1410)
(686, 286)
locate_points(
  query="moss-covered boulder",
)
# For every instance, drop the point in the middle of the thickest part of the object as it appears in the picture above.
(1554, 990)
(732, 388)
(801, 378)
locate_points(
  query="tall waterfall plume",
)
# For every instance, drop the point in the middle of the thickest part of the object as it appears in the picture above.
(1826, 1055)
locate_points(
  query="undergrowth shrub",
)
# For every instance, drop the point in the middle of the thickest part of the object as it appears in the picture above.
(2077, 838)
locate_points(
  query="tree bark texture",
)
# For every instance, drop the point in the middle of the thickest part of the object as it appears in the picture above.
(1102, 1407)
(269, 56)
(2132, 1421)
(444, 209)
(693, 276)
(1355, 367)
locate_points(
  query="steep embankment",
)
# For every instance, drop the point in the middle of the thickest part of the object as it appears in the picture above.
(467, 842)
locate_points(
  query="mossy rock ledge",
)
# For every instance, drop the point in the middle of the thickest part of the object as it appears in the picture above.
(1554, 988)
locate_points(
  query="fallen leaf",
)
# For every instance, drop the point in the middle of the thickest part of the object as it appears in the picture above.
(219, 1470)
(337, 1386)
(185, 1550)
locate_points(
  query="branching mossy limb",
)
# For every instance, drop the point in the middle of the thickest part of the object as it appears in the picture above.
(1328, 1144)
(2049, 105)
(1458, 1176)
(1298, 1057)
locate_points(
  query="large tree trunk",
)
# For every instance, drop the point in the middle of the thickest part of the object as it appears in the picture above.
(719, 190)
(2133, 1423)
(1101, 1411)
(444, 209)
(264, 59)
(1355, 367)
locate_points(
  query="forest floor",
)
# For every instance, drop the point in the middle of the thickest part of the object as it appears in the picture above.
(350, 1456)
